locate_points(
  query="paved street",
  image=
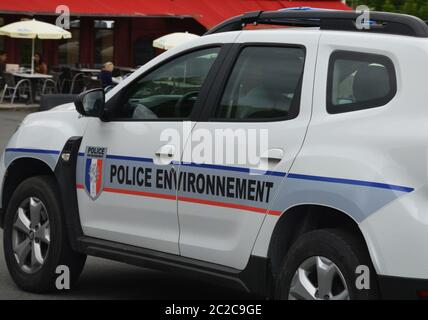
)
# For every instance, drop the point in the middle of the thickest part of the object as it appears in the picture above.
(103, 279)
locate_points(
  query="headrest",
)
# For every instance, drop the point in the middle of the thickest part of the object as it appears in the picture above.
(371, 82)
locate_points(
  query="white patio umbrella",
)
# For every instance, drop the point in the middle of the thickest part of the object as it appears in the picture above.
(32, 29)
(172, 40)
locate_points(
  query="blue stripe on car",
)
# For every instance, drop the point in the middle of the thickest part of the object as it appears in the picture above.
(39, 151)
(239, 169)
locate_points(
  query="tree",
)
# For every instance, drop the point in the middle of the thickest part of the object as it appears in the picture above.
(417, 8)
(423, 12)
(388, 6)
(410, 7)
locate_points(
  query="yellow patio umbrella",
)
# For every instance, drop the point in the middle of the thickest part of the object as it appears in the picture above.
(32, 29)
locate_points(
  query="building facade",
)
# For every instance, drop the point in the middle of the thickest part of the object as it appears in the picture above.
(122, 31)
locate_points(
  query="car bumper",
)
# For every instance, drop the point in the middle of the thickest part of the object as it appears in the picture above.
(396, 236)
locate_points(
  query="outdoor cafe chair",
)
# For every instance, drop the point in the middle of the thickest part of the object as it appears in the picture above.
(12, 88)
(45, 86)
(64, 80)
(77, 80)
(49, 86)
(56, 79)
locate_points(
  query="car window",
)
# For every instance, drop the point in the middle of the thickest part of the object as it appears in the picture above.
(264, 84)
(171, 91)
(359, 81)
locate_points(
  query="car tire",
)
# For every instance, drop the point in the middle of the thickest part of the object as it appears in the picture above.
(322, 265)
(35, 238)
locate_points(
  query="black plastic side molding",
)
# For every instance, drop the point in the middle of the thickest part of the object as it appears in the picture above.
(255, 278)
(65, 173)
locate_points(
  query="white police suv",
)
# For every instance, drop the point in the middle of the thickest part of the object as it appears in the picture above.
(340, 211)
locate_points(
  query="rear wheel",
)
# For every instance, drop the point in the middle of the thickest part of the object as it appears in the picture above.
(322, 265)
(35, 240)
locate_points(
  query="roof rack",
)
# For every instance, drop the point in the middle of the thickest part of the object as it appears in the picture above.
(380, 22)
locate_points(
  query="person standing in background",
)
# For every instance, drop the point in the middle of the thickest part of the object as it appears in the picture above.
(106, 75)
(39, 65)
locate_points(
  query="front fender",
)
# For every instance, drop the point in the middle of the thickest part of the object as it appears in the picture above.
(42, 136)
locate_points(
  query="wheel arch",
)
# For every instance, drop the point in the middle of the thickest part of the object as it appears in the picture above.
(64, 174)
(19, 170)
(300, 219)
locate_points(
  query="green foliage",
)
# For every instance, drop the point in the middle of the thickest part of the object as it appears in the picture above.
(388, 6)
(423, 12)
(417, 8)
(410, 7)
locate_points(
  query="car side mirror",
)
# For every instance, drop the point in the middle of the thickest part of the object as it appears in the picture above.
(91, 103)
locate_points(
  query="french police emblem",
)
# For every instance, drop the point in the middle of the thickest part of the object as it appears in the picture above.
(94, 170)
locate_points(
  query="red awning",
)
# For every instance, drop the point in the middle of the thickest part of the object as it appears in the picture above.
(207, 12)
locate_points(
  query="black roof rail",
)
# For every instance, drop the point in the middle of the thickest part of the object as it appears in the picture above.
(380, 22)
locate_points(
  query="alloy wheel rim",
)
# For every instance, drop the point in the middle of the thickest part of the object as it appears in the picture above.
(318, 278)
(31, 235)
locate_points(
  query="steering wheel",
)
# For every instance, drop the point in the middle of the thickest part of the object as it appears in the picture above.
(183, 99)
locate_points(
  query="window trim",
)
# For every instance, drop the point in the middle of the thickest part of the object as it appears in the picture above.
(115, 101)
(359, 56)
(228, 74)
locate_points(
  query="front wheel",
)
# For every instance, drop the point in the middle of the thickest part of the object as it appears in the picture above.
(35, 240)
(323, 264)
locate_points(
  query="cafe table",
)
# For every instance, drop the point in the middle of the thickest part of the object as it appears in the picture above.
(86, 70)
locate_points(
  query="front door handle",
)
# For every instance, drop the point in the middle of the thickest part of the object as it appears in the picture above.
(164, 155)
(167, 150)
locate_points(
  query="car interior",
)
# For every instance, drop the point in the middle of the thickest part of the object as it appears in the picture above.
(170, 91)
(264, 83)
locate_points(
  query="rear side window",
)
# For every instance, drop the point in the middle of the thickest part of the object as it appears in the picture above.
(359, 81)
(264, 85)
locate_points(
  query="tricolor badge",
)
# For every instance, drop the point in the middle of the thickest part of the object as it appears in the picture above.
(94, 170)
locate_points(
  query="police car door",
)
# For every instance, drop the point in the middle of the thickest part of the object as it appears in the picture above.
(126, 192)
(237, 157)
